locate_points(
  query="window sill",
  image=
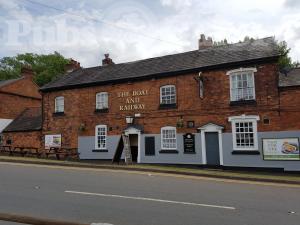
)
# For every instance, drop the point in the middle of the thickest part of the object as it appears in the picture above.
(167, 106)
(243, 102)
(189, 152)
(101, 110)
(58, 113)
(99, 150)
(245, 152)
(171, 151)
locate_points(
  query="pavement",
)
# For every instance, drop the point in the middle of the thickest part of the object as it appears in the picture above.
(141, 198)
(194, 171)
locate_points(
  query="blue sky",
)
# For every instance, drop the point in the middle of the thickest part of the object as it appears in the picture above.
(132, 30)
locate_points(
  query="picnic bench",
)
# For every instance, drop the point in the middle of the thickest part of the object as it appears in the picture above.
(62, 152)
(20, 150)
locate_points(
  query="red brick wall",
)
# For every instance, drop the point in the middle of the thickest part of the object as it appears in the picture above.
(12, 105)
(17, 96)
(23, 139)
(214, 107)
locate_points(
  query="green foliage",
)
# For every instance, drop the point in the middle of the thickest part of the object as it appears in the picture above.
(46, 67)
(285, 62)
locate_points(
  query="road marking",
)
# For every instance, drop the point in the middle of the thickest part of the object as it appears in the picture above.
(151, 199)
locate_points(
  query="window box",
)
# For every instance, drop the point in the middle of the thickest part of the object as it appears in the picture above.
(105, 110)
(243, 102)
(245, 152)
(99, 150)
(58, 114)
(167, 106)
(165, 151)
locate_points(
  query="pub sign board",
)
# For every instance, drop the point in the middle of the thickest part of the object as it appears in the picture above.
(281, 149)
(189, 143)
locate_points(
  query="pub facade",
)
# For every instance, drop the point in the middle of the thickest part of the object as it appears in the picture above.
(221, 106)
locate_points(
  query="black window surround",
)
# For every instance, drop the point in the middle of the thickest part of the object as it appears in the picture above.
(58, 113)
(167, 106)
(168, 151)
(104, 110)
(245, 152)
(100, 150)
(243, 102)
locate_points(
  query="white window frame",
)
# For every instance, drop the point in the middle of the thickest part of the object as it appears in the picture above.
(239, 71)
(161, 97)
(97, 135)
(102, 100)
(162, 139)
(242, 119)
(59, 98)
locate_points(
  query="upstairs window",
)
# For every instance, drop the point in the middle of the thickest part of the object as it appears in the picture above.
(168, 95)
(102, 100)
(59, 104)
(168, 138)
(244, 131)
(101, 133)
(242, 85)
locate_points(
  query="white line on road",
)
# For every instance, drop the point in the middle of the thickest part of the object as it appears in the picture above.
(150, 199)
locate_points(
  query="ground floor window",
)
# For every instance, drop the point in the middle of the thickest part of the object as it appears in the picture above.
(168, 138)
(101, 134)
(244, 132)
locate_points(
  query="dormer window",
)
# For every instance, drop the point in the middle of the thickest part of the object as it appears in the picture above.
(102, 100)
(242, 85)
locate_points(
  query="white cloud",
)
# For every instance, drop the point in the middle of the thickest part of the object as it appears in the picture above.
(131, 30)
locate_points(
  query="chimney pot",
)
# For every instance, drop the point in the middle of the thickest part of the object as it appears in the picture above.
(205, 43)
(107, 61)
(27, 72)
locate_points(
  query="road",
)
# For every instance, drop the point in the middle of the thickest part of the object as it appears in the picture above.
(122, 198)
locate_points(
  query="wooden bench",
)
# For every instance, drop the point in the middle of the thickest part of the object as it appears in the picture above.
(6, 149)
(20, 150)
(62, 152)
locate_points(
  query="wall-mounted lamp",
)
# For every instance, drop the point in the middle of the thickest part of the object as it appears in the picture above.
(129, 119)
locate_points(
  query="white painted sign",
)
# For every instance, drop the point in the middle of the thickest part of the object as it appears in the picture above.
(53, 140)
(281, 149)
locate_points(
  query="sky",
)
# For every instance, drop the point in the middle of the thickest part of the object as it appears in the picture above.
(132, 30)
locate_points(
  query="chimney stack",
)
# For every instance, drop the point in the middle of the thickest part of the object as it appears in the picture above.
(27, 72)
(72, 65)
(107, 61)
(205, 43)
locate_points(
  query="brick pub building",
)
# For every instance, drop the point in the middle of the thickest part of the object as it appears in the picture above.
(16, 96)
(226, 105)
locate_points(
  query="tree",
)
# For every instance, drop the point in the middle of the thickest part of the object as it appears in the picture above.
(46, 67)
(285, 62)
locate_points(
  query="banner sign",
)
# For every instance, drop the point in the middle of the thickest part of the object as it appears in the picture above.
(53, 140)
(281, 149)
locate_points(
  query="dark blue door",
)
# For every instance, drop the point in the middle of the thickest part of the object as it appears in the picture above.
(212, 148)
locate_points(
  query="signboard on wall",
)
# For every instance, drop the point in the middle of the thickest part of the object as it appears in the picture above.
(281, 149)
(189, 143)
(52, 140)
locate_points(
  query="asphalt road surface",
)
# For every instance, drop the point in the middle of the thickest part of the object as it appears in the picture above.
(121, 198)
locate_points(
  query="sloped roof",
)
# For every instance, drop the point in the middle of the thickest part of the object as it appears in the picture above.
(6, 82)
(291, 78)
(169, 64)
(29, 120)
